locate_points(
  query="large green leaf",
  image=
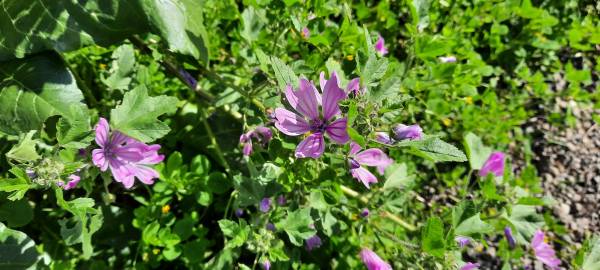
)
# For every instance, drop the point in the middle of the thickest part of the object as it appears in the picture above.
(432, 237)
(32, 26)
(476, 151)
(37, 25)
(297, 226)
(592, 257)
(33, 90)
(526, 221)
(437, 150)
(17, 250)
(137, 115)
(180, 24)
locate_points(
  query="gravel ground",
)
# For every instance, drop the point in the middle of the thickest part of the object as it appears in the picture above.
(568, 160)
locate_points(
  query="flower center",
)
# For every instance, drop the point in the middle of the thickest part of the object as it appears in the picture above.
(318, 126)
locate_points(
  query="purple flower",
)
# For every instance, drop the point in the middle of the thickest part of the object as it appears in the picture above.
(265, 205)
(364, 213)
(543, 251)
(271, 227)
(462, 241)
(494, 164)
(380, 46)
(308, 120)
(370, 157)
(470, 266)
(353, 86)
(266, 265)
(239, 212)
(261, 134)
(305, 32)
(404, 132)
(372, 261)
(509, 237)
(30, 173)
(313, 242)
(383, 137)
(126, 157)
(71, 184)
(188, 78)
(448, 59)
(281, 200)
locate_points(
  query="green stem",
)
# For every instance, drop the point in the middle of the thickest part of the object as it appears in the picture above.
(214, 143)
(352, 193)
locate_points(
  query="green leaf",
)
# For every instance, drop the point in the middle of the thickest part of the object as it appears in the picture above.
(121, 68)
(17, 250)
(476, 151)
(297, 226)
(238, 232)
(253, 22)
(356, 137)
(432, 237)
(437, 150)
(251, 191)
(180, 24)
(284, 73)
(591, 261)
(373, 70)
(473, 225)
(33, 90)
(396, 177)
(33, 26)
(18, 186)
(24, 151)
(525, 220)
(16, 213)
(137, 115)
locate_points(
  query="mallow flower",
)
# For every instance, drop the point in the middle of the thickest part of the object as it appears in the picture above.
(265, 205)
(266, 265)
(403, 132)
(126, 157)
(261, 134)
(353, 86)
(305, 32)
(384, 138)
(313, 242)
(372, 261)
(494, 164)
(462, 241)
(371, 157)
(380, 46)
(544, 252)
(447, 59)
(509, 237)
(308, 119)
(470, 266)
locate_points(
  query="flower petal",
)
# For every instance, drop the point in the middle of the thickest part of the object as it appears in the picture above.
(308, 104)
(354, 148)
(145, 174)
(337, 131)
(102, 132)
(313, 146)
(372, 157)
(290, 123)
(291, 97)
(99, 159)
(364, 176)
(353, 86)
(331, 96)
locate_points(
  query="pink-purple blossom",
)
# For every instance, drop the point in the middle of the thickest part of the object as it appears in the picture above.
(372, 261)
(404, 132)
(470, 266)
(509, 237)
(266, 265)
(265, 205)
(364, 213)
(380, 46)
(281, 200)
(384, 138)
(370, 157)
(313, 242)
(74, 180)
(447, 59)
(305, 32)
(494, 164)
(308, 119)
(126, 157)
(353, 86)
(261, 134)
(462, 241)
(543, 251)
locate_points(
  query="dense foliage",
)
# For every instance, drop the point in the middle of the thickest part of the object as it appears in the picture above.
(286, 134)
